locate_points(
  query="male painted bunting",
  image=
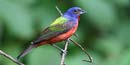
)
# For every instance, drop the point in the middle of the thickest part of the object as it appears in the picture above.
(61, 29)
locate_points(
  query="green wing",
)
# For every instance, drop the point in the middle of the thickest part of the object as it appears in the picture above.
(58, 27)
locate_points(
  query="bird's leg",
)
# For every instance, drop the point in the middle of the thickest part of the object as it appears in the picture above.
(90, 58)
(60, 49)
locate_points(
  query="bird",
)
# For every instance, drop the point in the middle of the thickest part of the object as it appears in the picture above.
(59, 30)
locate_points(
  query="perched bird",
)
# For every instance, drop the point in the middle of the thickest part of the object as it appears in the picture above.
(61, 29)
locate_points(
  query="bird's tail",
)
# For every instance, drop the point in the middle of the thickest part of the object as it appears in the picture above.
(26, 51)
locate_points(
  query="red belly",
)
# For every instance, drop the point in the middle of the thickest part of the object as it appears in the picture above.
(64, 36)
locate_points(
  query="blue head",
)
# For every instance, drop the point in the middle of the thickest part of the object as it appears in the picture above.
(74, 12)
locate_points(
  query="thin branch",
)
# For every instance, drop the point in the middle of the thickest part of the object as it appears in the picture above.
(10, 57)
(64, 53)
(90, 58)
(57, 47)
(77, 37)
(59, 11)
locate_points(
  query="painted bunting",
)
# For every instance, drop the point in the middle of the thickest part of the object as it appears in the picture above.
(61, 29)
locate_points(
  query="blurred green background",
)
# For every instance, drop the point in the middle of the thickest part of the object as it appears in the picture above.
(105, 30)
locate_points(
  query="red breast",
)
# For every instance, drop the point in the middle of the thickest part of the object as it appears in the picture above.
(64, 36)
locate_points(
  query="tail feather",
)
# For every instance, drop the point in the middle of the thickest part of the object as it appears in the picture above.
(26, 51)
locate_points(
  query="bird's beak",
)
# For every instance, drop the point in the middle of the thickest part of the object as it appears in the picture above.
(83, 11)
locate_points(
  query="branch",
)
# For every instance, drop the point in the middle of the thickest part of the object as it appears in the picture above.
(64, 53)
(59, 11)
(90, 58)
(10, 58)
(77, 37)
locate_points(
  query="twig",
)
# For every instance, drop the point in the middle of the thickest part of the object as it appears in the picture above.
(64, 53)
(10, 57)
(77, 37)
(57, 47)
(59, 11)
(90, 58)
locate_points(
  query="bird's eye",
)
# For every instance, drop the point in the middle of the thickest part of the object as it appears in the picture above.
(75, 11)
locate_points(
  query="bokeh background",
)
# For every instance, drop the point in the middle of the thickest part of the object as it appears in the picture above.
(104, 30)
